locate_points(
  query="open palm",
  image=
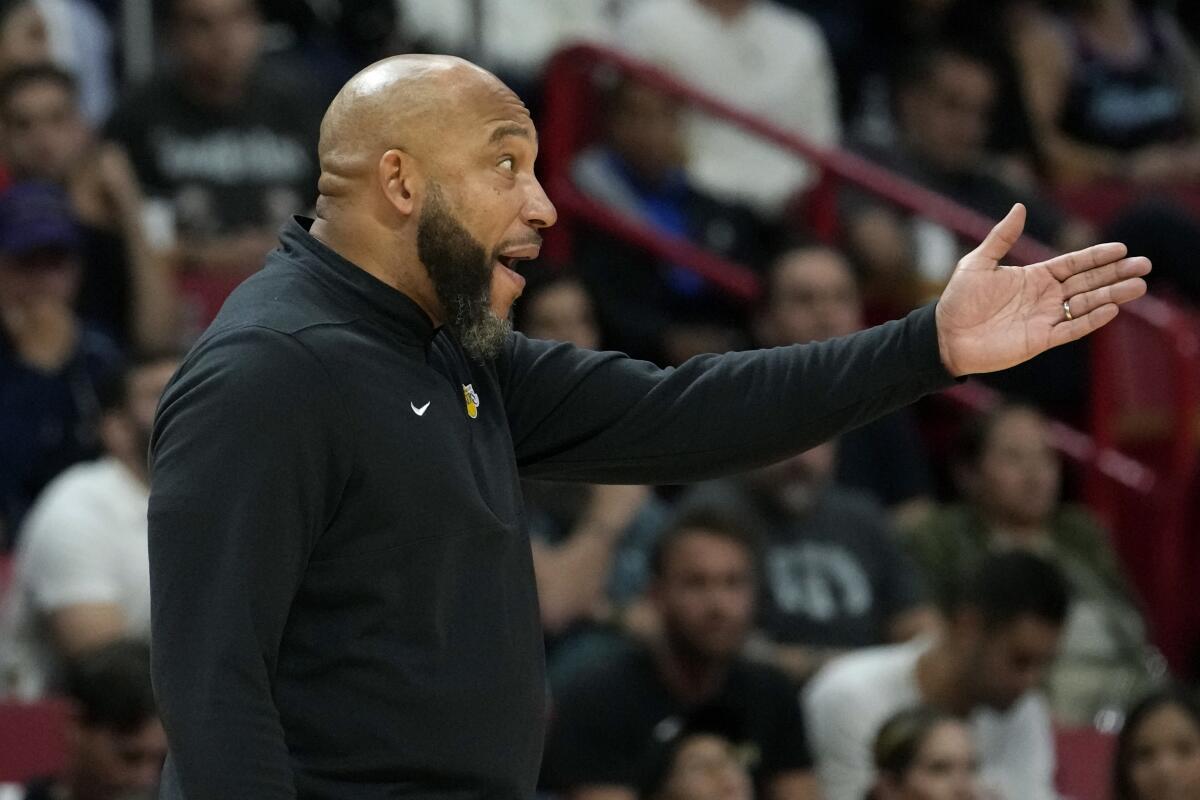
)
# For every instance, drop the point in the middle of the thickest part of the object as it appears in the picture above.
(992, 317)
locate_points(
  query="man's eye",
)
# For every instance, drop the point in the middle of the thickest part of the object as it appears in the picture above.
(508, 163)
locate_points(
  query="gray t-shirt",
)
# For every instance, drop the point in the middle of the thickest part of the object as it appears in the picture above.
(834, 577)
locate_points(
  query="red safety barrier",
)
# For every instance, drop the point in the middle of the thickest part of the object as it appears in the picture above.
(33, 739)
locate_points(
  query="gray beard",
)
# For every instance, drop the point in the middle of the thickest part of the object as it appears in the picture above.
(461, 271)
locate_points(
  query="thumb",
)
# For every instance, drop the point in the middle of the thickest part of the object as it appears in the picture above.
(1003, 236)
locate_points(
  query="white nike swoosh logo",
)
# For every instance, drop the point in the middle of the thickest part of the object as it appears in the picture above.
(418, 411)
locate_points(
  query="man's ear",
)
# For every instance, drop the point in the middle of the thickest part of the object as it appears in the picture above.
(400, 180)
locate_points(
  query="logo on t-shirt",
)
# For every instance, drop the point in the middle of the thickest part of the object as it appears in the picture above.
(472, 400)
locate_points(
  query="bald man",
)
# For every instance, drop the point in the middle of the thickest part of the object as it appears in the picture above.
(343, 599)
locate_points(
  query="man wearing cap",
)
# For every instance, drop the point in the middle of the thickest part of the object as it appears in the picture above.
(343, 597)
(51, 361)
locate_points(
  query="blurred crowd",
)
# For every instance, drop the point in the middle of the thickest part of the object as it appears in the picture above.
(910, 612)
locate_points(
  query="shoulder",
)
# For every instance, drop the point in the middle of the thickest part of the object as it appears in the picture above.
(789, 21)
(863, 674)
(281, 297)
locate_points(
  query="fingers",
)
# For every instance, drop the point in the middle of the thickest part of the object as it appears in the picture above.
(1117, 293)
(1003, 236)
(1068, 264)
(1070, 330)
(1105, 275)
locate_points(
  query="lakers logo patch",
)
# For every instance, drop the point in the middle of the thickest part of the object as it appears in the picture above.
(472, 400)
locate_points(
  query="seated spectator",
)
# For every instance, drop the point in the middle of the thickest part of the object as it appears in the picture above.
(51, 361)
(126, 289)
(1001, 637)
(607, 723)
(834, 575)
(699, 763)
(117, 744)
(81, 42)
(811, 295)
(1158, 749)
(1010, 476)
(24, 38)
(943, 105)
(663, 312)
(82, 573)
(925, 754)
(591, 543)
(512, 38)
(224, 145)
(769, 61)
(1114, 92)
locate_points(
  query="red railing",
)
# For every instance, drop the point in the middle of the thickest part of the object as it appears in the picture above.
(569, 124)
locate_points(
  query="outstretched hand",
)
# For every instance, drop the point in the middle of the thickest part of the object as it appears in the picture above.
(991, 317)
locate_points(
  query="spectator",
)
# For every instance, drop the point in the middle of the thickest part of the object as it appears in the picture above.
(759, 57)
(513, 38)
(834, 575)
(811, 295)
(81, 43)
(1158, 749)
(51, 361)
(943, 104)
(24, 39)
(117, 746)
(925, 754)
(222, 142)
(1114, 92)
(126, 289)
(609, 722)
(82, 574)
(699, 763)
(1010, 477)
(591, 543)
(650, 309)
(1001, 636)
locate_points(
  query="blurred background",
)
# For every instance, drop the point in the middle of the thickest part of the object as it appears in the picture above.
(729, 174)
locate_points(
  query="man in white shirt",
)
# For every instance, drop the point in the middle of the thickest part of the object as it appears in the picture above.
(513, 38)
(1002, 634)
(82, 575)
(759, 57)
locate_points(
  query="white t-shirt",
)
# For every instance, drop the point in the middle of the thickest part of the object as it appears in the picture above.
(850, 699)
(517, 35)
(83, 542)
(770, 61)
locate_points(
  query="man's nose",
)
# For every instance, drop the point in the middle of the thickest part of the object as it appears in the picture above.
(539, 212)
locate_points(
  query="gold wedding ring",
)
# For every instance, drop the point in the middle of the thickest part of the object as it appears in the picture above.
(1067, 310)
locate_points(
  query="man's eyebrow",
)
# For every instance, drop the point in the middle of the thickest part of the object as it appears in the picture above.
(504, 131)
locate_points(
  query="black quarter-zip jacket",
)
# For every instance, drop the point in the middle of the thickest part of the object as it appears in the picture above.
(343, 596)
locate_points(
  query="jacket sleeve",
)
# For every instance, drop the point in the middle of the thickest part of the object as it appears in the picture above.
(603, 417)
(246, 472)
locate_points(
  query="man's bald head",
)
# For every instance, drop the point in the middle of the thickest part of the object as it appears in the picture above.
(410, 103)
(428, 182)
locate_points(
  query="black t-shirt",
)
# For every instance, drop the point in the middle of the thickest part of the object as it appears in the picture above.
(223, 170)
(606, 727)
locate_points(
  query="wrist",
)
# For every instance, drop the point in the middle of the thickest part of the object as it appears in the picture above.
(943, 346)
